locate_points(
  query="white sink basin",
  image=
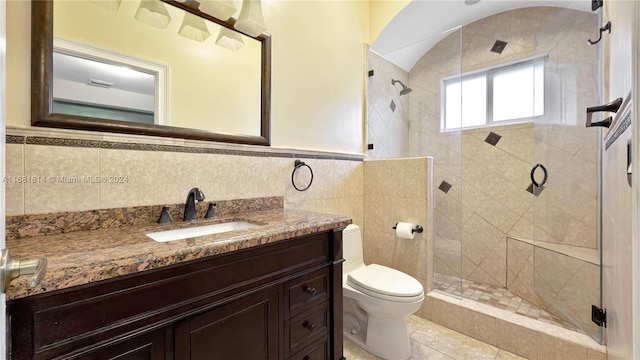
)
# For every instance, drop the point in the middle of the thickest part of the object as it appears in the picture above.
(189, 232)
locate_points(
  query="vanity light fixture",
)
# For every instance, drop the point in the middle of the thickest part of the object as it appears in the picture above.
(221, 9)
(194, 28)
(153, 12)
(228, 39)
(250, 21)
(108, 4)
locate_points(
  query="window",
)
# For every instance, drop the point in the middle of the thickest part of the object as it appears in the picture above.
(506, 94)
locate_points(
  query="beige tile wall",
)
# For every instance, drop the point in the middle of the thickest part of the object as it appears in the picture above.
(488, 200)
(398, 190)
(158, 177)
(387, 129)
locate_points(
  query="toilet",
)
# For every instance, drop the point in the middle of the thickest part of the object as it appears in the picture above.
(377, 302)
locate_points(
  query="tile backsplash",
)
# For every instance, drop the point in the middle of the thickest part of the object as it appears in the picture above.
(60, 174)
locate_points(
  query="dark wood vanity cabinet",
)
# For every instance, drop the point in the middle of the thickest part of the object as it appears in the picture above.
(276, 301)
(148, 346)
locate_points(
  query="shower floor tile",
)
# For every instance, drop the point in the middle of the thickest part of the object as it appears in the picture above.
(495, 296)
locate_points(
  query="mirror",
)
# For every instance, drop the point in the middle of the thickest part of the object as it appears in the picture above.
(193, 90)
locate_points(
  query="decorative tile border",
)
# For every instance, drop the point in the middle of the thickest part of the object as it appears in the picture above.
(101, 144)
(38, 140)
(14, 139)
(127, 146)
(624, 125)
(21, 226)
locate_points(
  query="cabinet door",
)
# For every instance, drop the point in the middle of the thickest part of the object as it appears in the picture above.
(247, 328)
(150, 346)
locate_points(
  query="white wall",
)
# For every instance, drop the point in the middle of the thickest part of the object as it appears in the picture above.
(318, 60)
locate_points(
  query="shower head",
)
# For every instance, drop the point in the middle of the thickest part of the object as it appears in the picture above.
(405, 90)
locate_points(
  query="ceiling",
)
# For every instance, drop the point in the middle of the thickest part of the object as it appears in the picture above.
(423, 23)
(78, 69)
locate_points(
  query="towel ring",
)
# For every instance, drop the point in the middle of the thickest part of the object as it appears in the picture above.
(533, 177)
(298, 164)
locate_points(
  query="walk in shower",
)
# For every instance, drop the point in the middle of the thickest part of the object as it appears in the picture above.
(500, 105)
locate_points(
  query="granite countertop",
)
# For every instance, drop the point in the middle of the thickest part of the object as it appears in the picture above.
(82, 257)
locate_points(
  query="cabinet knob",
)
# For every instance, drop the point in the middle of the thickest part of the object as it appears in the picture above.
(309, 325)
(310, 290)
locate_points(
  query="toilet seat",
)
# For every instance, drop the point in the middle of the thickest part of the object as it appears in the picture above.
(385, 283)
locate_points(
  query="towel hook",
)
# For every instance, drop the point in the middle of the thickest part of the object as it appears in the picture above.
(607, 28)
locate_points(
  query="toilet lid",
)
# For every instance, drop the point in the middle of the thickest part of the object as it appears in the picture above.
(385, 281)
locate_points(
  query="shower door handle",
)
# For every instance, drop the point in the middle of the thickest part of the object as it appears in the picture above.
(533, 175)
(613, 106)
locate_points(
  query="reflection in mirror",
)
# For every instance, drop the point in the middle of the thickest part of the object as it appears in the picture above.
(204, 80)
(103, 88)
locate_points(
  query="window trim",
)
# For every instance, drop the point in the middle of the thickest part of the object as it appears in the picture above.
(489, 72)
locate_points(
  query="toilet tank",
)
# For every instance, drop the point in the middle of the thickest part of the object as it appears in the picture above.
(352, 245)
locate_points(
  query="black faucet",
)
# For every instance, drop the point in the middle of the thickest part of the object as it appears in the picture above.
(190, 205)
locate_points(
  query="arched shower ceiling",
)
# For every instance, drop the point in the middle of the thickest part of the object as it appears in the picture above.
(422, 23)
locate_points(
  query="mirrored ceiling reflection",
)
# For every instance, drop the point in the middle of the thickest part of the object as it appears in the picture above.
(86, 87)
(207, 86)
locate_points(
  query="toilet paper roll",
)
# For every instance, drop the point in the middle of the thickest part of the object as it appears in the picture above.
(404, 230)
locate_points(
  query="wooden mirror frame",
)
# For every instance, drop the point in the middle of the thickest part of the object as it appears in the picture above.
(42, 80)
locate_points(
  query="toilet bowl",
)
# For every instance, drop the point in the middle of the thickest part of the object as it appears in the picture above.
(377, 302)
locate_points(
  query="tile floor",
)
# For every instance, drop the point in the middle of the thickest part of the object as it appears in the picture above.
(498, 297)
(430, 341)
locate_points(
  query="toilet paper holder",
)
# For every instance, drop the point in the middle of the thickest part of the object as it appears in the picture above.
(417, 229)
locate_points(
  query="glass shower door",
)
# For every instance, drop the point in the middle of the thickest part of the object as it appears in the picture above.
(565, 180)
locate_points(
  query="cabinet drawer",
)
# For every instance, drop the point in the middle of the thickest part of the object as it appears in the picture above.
(306, 328)
(319, 350)
(306, 291)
